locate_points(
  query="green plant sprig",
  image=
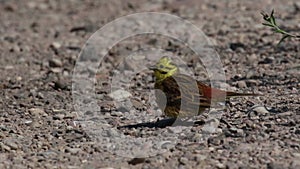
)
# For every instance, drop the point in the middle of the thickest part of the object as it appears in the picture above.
(271, 22)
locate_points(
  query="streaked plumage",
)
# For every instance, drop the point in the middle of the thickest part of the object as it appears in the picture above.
(184, 95)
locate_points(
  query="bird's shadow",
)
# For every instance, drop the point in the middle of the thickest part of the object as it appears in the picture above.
(163, 123)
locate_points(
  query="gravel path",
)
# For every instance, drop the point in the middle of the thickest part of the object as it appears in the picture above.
(40, 42)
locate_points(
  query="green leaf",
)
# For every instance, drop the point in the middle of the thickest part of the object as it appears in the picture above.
(282, 39)
(267, 24)
(272, 20)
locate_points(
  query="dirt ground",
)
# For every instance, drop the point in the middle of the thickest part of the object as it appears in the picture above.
(39, 45)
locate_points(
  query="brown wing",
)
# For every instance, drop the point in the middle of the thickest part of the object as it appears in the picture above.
(183, 95)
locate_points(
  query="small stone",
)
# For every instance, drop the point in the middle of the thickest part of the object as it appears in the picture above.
(288, 113)
(37, 112)
(137, 104)
(200, 157)
(72, 150)
(138, 57)
(220, 165)
(275, 165)
(5, 147)
(61, 84)
(197, 137)
(175, 129)
(130, 65)
(296, 155)
(58, 111)
(297, 5)
(261, 110)
(113, 133)
(11, 144)
(70, 127)
(15, 48)
(267, 60)
(92, 70)
(252, 58)
(211, 125)
(55, 45)
(9, 67)
(28, 122)
(58, 117)
(71, 115)
(252, 82)
(55, 62)
(40, 95)
(233, 129)
(250, 74)
(42, 6)
(35, 124)
(209, 129)
(56, 69)
(242, 84)
(295, 163)
(117, 113)
(119, 95)
(65, 73)
(240, 132)
(166, 145)
(184, 160)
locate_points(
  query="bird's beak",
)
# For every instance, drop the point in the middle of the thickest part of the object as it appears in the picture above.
(152, 67)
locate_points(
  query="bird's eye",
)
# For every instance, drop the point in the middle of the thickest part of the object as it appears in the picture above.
(161, 66)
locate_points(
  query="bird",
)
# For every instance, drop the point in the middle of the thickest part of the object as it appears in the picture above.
(180, 95)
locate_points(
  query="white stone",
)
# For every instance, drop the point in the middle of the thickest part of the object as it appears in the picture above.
(119, 95)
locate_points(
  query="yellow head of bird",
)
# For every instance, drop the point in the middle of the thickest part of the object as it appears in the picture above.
(164, 68)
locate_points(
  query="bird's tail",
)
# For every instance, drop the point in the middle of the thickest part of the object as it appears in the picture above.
(235, 94)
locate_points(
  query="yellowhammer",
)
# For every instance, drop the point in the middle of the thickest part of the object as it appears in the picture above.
(183, 94)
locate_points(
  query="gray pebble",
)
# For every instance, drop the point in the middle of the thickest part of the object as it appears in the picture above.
(55, 45)
(55, 62)
(261, 110)
(11, 144)
(72, 150)
(242, 84)
(37, 112)
(119, 94)
(184, 160)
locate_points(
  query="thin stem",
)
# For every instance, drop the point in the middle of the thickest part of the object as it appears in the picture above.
(271, 22)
